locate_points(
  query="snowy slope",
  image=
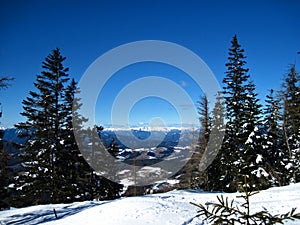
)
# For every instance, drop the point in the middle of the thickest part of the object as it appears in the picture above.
(169, 208)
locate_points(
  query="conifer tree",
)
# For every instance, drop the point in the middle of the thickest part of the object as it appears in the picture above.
(4, 158)
(290, 95)
(113, 148)
(4, 177)
(254, 153)
(98, 186)
(93, 159)
(72, 162)
(218, 163)
(191, 177)
(205, 120)
(44, 124)
(199, 176)
(273, 144)
(239, 150)
(235, 94)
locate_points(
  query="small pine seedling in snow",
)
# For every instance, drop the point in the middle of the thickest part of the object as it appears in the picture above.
(226, 212)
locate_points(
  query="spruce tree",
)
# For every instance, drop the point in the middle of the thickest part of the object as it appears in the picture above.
(235, 94)
(4, 158)
(190, 176)
(240, 148)
(4, 175)
(98, 186)
(235, 98)
(290, 95)
(215, 167)
(75, 168)
(205, 120)
(199, 175)
(111, 189)
(54, 170)
(273, 143)
(45, 116)
(254, 153)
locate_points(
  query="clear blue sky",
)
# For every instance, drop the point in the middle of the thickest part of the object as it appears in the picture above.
(83, 30)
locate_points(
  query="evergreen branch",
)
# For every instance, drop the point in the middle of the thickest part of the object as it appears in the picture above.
(225, 212)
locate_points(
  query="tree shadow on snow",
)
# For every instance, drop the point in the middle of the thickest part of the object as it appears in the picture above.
(46, 215)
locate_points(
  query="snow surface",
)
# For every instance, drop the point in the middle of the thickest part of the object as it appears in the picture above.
(171, 208)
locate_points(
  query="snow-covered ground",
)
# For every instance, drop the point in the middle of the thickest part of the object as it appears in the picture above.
(171, 208)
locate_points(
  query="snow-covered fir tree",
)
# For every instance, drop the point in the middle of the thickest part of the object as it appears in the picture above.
(290, 95)
(75, 181)
(191, 177)
(4, 177)
(4, 157)
(99, 186)
(254, 153)
(240, 153)
(54, 170)
(44, 128)
(273, 141)
(211, 156)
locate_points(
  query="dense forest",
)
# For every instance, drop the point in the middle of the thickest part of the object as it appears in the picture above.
(261, 142)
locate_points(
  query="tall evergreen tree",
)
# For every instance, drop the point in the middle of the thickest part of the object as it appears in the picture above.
(4, 158)
(200, 179)
(99, 187)
(273, 144)
(211, 156)
(75, 168)
(254, 153)
(4, 177)
(291, 122)
(235, 94)
(205, 120)
(44, 126)
(192, 177)
(239, 150)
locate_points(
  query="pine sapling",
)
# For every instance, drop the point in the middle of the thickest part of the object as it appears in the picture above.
(228, 212)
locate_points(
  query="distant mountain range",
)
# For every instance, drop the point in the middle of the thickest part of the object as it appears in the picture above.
(173, 138)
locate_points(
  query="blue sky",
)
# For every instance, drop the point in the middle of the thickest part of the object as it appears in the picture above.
(83, 30)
